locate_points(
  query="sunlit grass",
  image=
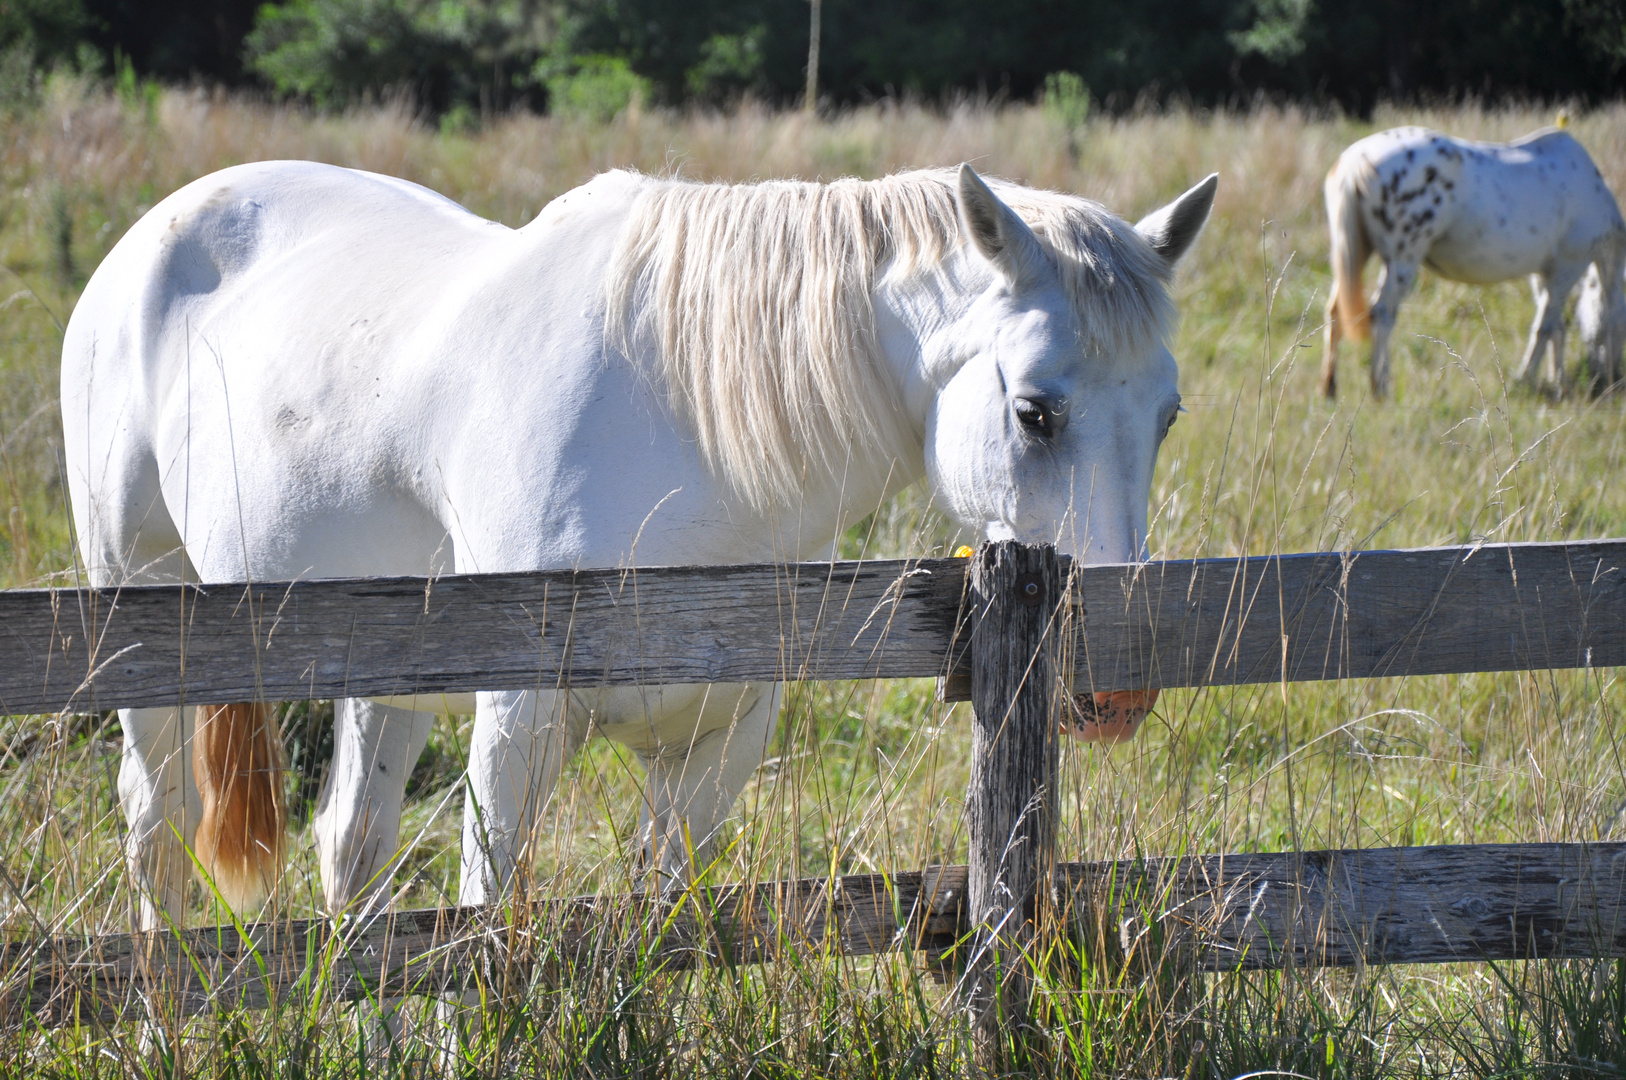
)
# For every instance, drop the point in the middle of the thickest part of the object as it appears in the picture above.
(867, 777)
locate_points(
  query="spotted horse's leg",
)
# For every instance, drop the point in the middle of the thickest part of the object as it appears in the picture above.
(1543, 362)
(1399, 276)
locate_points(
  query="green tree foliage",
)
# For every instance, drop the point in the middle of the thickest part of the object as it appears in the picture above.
(595, 88)
(1601, 27)
(1066, 99)
(442, 53)
(1277, 33)
(42, 32)
(484, 54)
(729, 64)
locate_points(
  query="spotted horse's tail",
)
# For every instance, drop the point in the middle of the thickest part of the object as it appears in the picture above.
(1348, 315)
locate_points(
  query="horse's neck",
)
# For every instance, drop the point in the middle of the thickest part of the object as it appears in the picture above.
(920, 317)
(915, 316)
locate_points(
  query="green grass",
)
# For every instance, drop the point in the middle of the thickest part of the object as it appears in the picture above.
(871, 777)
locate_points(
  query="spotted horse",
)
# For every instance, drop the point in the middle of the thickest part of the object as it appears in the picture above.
(1479, 213)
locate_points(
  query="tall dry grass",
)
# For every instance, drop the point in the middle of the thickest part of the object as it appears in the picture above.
(870, 777)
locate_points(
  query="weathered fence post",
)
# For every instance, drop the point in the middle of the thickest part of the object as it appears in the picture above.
(1010, 807)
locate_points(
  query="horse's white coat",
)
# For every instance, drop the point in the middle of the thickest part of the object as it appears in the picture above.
(292, 370)
(1479, 213)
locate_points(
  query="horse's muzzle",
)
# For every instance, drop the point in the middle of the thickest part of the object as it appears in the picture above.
(1108, 718)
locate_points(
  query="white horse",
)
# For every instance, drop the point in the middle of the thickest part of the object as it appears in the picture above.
(1480, 213)
(292, 370)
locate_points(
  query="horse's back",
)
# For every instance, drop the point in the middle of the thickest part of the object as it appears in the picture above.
(1482, 212)
(265, 345)
(200, 244)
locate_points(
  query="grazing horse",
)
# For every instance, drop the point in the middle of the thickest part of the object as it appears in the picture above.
(1474, 212)
(293, 370)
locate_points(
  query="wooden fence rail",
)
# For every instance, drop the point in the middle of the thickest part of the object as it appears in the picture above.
(1216, 912)
(988, 628)
(1495, 607)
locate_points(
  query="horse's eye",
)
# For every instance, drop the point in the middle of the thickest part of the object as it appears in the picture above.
(1033, 415)
(1174, 414)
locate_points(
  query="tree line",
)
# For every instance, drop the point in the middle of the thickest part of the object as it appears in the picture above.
(597, 56)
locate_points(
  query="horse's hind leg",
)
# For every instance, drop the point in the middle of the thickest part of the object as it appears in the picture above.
(161, 809)
(128, 538)
(1398, 279)
(1329, 360)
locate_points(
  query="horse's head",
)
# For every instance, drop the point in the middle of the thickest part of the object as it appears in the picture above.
(1062, 386)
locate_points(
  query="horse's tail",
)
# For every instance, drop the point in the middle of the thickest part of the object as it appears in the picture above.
(1345, 187)
(237, 760)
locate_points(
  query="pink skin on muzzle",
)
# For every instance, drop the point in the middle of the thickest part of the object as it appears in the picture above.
(1108, 718)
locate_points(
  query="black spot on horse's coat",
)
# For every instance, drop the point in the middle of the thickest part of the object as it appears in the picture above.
(1429, 174)
(1411, 155)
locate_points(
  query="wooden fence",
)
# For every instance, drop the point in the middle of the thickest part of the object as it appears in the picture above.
(998, 630)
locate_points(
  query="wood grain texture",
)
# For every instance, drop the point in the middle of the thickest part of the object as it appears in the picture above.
(1226, 912)
(1501, 607)
(1010, 799)
(1496, 607)
(1422, 905)
(57, 981)
(160, 645)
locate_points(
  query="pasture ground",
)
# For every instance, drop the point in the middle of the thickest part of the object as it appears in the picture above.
(870, 777)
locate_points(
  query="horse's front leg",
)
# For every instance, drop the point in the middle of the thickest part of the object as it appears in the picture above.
(357, 825)
(358, 817)
(520, 744)
(521, 741)
(161, 806)
(1544, 352)
(1398, 279)
(693, 784)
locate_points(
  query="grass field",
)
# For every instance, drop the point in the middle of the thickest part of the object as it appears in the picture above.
(871, 776)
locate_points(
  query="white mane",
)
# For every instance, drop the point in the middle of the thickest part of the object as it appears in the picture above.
(758, 299)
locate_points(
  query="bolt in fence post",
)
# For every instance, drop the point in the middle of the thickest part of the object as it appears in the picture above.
(1011, 804)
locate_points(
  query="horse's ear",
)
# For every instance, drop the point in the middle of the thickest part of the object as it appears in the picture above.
(1003, 238)
(1172, 230)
